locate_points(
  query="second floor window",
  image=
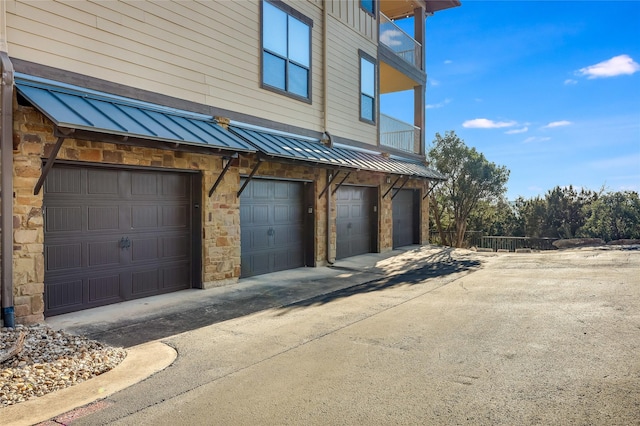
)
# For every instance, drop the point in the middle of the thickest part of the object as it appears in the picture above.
(367, 90)
(368, 5)
(286, 51)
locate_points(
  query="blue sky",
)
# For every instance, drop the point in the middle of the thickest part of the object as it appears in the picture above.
(549, 89)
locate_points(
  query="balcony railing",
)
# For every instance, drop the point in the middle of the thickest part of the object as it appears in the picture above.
(400, 42)
(397, 134)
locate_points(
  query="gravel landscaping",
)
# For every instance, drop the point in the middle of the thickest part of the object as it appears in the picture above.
(49, 360)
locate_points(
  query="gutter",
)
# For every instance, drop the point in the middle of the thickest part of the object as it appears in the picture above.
(6, 169)
(325, 122)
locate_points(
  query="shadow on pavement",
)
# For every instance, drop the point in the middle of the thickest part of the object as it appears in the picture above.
(133, 331)
(436, 265)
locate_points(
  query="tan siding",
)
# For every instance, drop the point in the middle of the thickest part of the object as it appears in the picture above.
(205, 52)
(350, 13)
(344, 82)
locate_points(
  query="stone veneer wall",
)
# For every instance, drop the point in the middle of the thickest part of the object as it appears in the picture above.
(34, 140)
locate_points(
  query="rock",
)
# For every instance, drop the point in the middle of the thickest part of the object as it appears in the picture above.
(50, 360)
(578, 242)
(624, 242)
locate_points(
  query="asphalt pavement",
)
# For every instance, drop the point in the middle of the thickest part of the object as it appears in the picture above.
(422, 336)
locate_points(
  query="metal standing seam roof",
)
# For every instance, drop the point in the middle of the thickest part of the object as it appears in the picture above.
(315, 152)
(73, 107)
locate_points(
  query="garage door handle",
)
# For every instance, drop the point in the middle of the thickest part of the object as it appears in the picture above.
(125, 243)
(349, 225)
(271, 232)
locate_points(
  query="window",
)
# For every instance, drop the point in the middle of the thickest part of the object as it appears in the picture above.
(368, 5)
(286, 50)
(367, 89)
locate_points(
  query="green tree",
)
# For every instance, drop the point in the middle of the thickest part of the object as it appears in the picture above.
(565, 211)
(613, 216)
(494, 217)
(532, 217)
(471, 178)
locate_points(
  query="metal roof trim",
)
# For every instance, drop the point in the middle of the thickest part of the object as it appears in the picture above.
(72, 107)
(291, 148)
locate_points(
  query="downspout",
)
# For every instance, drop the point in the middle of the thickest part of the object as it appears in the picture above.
(325, 120)
(6, 164)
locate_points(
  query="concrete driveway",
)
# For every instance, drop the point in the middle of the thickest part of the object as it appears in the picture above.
(540, 338)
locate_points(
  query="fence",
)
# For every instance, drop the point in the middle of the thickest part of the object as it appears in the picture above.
(514, 243)
(476, 239)
(471, 238)
(398, 134)
(402, 44)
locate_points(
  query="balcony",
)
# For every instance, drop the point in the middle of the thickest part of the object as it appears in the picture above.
(401, 43)
(399, 135)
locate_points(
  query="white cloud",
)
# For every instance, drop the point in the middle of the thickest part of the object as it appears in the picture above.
(434, 82)
(483, 123)
(438, 105)
(516, 131)
(535, 139)
(388, 37)
(570, 82)
(557, 124)
(448, 61)
(618, 65)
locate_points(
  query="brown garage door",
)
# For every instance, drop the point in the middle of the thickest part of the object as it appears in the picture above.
(113, 235)
(405, 218)
(355, 221)
(272, 225)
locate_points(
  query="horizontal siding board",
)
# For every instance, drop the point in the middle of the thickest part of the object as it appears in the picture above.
(344, 80)
(201, 51)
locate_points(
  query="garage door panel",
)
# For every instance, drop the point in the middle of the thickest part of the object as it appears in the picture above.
(64, 295)
(272, 226)
(60, 257)
(342, 212)
(281, 213)
(85, 232)
(103, 253)
(144, 217)
(103, 218)
(175, 247)
(143, 249)
(175, 277)
(259, 190)
(63, 219)
(144, 184)
(259, 214)
(175, 186)
(104, 289)
(63, 181)
(254, 238)
(102, 182)
(175, 216)
(145, 282)
(355, 221)
(404, 218)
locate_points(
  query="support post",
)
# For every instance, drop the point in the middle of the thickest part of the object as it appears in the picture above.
(331, 179)
(221, 176)
(49, 164)
(253, 172)
(392, 185)
(341, 182)
(401, 186)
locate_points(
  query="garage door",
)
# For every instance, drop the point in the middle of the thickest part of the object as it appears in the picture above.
(114, 235)
(272, 226)
(355, 221)
(405, 218)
